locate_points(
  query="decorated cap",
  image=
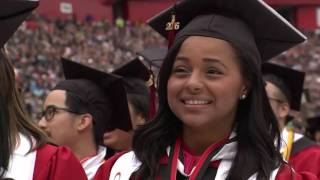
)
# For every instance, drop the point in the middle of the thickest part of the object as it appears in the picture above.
(251, 24)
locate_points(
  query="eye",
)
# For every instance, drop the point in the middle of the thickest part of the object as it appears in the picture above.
(50, 110)
(180, 70)
(213, 71)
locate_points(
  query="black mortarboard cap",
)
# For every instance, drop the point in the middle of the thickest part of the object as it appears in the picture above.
(154, 56)
(251, 24)
(133, 69)
(110, 84)
(135, 75)
(12, 14)
(292, 79)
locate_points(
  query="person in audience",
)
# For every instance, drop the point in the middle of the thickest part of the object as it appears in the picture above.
(135, 75)
(284, 88)
(81, 108)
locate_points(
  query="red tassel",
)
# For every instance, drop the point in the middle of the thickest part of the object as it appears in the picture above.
(153, 99)
(172, 27)
(171, 37)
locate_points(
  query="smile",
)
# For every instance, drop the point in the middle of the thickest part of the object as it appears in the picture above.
(196, 102)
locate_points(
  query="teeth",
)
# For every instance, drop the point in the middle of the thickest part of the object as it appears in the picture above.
(197, 102)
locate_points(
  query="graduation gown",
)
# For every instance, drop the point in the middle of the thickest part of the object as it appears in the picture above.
(91, 164)
(46, 163)
(122, 166)
(305, 154)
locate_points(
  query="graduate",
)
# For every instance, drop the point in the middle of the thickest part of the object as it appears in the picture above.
(284, 88)
(25, 152)
(81, 108)
(134, 75)
(214, 119)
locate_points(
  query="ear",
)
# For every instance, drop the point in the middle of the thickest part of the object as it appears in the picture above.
(85, 122)
(284, 110)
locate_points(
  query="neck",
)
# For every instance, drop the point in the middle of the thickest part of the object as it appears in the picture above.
(199, 139)
(281, 123)
(84, 148)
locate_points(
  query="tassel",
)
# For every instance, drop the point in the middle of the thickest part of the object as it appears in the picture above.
(153, 99)
(172, 27)
(153, 96)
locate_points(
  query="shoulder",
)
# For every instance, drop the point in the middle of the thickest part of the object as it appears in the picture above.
(125, 166)
(53, 150)
(286, 172)
(305, 146)
(104, 170)
(121, 165)
(58, 162)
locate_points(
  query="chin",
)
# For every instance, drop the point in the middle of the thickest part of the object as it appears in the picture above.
(194, 122)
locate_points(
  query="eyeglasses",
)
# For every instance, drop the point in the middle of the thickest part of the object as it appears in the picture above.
(51, 110)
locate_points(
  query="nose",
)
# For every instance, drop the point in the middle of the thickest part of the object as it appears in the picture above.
(195, 82)
(42, 123)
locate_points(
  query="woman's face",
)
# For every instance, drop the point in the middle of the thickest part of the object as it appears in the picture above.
(61, 127)
(205, 84)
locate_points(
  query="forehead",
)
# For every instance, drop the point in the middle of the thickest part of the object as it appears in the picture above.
(56, 97)
(207, 46)
(272, 89)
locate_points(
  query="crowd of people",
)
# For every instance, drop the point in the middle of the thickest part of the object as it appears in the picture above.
(36, 49)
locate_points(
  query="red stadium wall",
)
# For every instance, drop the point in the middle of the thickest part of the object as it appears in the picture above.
(81, 9)
(292, 2)
(143, 10)
(307, 17)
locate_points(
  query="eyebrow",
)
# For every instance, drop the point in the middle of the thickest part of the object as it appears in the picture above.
(206, 60)
(212, 60)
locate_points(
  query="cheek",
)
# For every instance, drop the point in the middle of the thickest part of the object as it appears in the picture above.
(228, 91)
(172, 90)
(61, 123)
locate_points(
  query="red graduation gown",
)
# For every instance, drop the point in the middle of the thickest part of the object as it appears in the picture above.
(104, 170)
(57, 163)
(307, 160)
(285, 173)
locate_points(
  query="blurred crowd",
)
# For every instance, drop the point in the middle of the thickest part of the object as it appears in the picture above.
(36, 49)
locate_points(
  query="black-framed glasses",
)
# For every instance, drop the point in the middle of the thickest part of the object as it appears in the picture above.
(51, 110)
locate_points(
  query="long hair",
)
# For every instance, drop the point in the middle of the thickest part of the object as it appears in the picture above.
(256, 126)
(13, 119)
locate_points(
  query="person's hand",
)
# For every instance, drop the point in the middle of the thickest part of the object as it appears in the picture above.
(118, 139)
